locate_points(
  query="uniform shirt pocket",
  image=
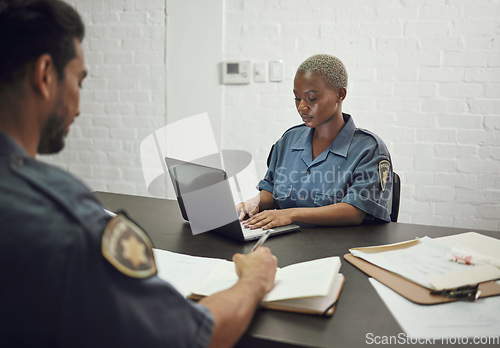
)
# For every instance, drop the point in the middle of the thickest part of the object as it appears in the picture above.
(282, 196)
(282, 192)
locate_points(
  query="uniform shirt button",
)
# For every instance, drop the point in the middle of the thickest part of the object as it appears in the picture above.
(308, 171)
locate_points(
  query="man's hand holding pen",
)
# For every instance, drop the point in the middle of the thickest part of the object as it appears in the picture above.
(258, 266)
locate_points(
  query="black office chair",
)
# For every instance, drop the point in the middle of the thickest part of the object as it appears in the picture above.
(396, 193)
(269, 156)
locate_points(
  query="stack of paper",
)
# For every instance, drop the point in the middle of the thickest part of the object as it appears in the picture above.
(412, 268)
(425, 262)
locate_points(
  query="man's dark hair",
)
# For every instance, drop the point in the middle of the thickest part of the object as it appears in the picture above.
(31, 28)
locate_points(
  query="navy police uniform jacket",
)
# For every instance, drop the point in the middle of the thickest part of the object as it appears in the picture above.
(356, 169)
(57, 288)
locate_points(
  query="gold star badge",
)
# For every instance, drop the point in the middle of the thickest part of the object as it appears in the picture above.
(134, 251)
(128, 248)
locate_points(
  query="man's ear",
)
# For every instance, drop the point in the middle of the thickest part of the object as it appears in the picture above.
(43, 75)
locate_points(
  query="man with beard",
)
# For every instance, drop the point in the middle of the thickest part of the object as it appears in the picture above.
(73, 276)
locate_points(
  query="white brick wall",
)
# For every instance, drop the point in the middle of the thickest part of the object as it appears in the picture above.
(123, 97)
(424, 75)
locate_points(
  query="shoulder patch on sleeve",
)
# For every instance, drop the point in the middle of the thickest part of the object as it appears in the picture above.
(128, 248)
(384, 168)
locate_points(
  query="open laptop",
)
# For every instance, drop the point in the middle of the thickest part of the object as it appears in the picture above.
(206, 201)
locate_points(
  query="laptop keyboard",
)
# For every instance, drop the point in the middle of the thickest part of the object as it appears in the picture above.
(249, 233)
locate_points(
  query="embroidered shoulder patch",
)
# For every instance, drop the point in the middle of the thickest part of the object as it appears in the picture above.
(384, 168)
(128, 248)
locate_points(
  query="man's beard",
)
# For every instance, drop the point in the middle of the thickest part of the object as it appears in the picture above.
(52, 136)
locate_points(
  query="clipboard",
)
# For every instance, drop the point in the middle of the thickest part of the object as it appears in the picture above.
(410, 290)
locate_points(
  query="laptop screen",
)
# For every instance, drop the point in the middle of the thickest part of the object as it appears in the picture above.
(188, 177)
(203, 193)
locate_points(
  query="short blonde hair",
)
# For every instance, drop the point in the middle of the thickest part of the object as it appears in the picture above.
(329, 67)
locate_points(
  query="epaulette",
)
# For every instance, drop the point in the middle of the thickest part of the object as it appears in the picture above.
(293, 127)
(268, 161)
(380, 142)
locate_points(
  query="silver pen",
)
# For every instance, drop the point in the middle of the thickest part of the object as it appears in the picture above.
(261, 240)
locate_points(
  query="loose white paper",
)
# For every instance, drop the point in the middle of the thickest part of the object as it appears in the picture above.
(478, 319)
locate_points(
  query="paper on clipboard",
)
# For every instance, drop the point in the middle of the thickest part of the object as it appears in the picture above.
(422, 261)
(487, 247)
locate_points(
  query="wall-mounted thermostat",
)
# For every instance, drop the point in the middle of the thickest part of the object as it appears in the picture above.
(236, 73)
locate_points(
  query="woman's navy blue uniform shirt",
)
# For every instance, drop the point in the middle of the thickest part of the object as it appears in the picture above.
(355, 169)
(57, 288)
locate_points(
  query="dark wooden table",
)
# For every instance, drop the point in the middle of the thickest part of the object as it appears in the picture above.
(359, 311)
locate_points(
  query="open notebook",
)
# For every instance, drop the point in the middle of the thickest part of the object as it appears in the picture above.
(310, 287)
